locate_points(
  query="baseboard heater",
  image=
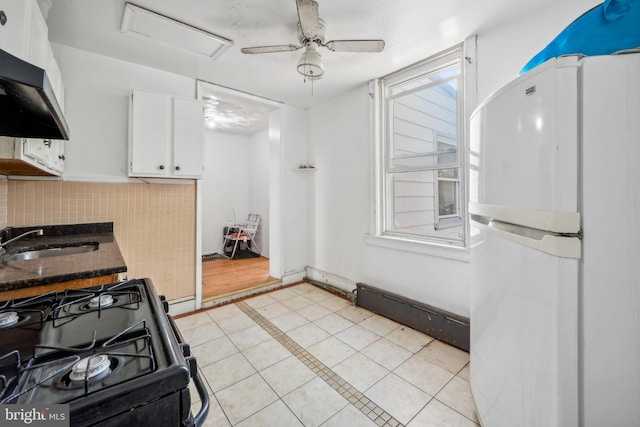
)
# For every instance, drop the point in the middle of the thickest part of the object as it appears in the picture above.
(443, 325)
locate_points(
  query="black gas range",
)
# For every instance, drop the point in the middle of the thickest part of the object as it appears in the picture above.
(112, 353)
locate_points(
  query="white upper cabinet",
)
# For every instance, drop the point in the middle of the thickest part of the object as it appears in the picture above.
(24, 33)
(188, 138)
(31, 157)
(56, 159)
(149, 126)
(166, 136)
(47, 154)
(55, 78)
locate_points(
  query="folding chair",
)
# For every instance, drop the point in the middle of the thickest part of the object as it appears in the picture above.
(245, 233)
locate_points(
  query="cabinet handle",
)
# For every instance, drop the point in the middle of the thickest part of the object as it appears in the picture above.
(3, 17)
(47, 142)
(161, 167)
(61, 157)
(177, 168)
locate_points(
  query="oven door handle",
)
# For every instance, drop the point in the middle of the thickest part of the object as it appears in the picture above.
(194, 372)
(200, 417)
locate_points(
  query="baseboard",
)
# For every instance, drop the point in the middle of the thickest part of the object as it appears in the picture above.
(182, 306)
(437, 323)
(332, 283)
(320, 276)
(293, 277)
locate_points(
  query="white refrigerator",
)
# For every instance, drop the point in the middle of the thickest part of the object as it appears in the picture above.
(555, 208)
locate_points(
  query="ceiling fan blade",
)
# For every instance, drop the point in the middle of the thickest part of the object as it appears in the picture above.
(270, 49)
(309, 19)
(355, 45)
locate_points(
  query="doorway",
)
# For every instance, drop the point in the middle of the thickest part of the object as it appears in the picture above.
(235, 184)
(222, 278)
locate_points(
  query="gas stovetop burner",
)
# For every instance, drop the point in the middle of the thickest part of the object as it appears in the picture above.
(91, 367)
(8, 318)
(104, 351)
(104, 300)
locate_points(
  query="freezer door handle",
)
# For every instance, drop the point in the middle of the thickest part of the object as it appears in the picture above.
(560, 245)
(556, 222)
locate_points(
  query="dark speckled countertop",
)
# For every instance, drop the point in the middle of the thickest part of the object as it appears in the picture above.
(106, 260)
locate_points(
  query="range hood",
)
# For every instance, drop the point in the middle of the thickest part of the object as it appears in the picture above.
(28, 106)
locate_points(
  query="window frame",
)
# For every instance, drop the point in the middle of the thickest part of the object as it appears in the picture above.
(383, 159)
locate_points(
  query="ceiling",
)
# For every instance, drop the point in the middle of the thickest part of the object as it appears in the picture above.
(234, 112)
(412, 30)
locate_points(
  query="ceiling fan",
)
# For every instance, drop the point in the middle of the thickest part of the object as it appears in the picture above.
(311, 35)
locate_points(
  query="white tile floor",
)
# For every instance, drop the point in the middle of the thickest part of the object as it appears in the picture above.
(301, 356)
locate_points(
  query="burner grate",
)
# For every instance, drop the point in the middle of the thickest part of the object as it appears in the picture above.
(26, 312)
(73, 303)
(9, 371)
(123, 331)
(129, 354)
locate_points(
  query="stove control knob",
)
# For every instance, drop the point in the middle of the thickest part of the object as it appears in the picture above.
(193, 366)
(165, 303)
(186, 349)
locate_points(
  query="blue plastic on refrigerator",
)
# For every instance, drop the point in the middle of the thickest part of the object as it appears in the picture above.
(607, 28)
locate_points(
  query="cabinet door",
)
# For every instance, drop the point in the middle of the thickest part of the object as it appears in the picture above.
(39, 46)
(55, 78)
(188, 138)
(44, 154)
(57, 156)
(14, 34)
(25, 32)
(38, 149)
(149, 135)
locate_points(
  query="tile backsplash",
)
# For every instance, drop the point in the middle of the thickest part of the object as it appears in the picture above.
(154, 224)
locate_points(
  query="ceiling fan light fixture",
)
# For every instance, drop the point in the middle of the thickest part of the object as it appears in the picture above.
(310, 64)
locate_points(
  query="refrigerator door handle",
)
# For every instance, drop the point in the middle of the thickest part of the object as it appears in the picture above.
(558, 244)
(557, 222)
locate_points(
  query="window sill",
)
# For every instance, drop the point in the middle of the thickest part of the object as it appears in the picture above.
(457, 253)
(448, 223)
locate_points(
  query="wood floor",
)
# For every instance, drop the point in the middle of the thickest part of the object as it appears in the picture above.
(221, 277)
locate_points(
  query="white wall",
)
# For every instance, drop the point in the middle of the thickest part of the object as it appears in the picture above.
(259, 186)
(97, 90)
(502, 52)
(294, 185)
(341, 199)
(236, 178)
(225, 186)
(340, 147)
(288, 194)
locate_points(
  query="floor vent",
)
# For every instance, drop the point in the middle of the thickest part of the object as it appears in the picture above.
(443, 325)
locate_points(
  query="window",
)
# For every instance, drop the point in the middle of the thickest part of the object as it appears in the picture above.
(421, 151)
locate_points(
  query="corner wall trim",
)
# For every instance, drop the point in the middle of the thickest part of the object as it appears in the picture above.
(443, 325)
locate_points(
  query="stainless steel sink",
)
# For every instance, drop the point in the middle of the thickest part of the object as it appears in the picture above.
(50, 252)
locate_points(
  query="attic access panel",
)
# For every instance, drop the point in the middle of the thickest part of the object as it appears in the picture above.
(166, 31)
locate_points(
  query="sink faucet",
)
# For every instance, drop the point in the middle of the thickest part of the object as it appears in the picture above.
(39, 232)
